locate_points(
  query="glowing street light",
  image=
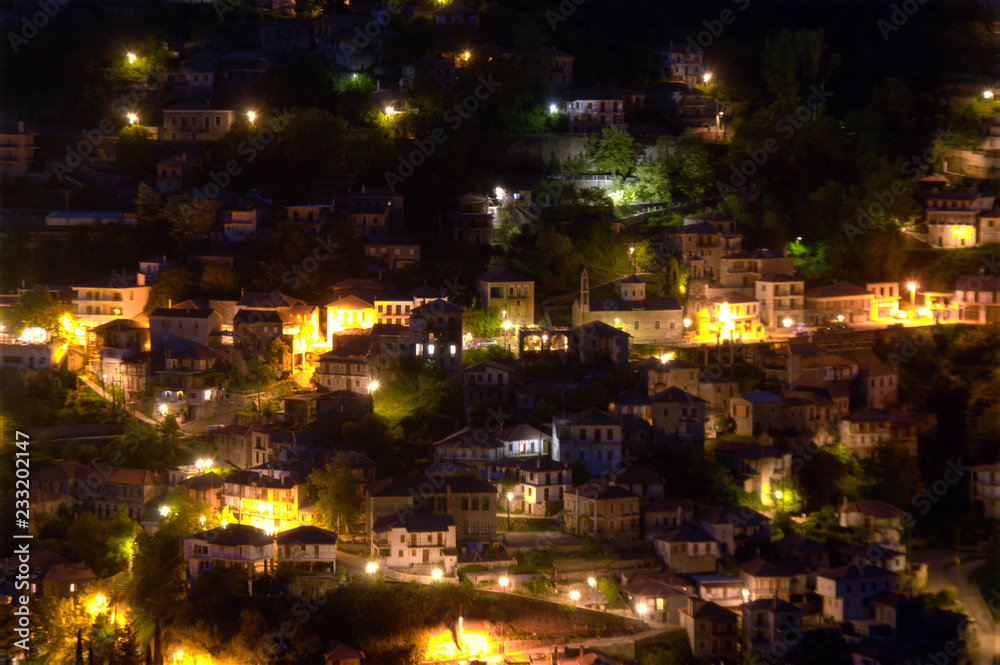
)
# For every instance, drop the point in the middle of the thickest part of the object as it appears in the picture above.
(371, 568)
(641, 609)
(131, 57)
(164, 510)
(687, 323)
(510, 498)
(466, 56)
(988, 94)
(97, 605)
(201, 520)
(251, 116)
(553, 109)
(179, 656)
(922, 311)
(840, 318)
(132, 118)
(499, 192)
(436, 573)
(163, 409)
(591, 582)
(746, 594)
(574, 595)
(503, 582)
(912, 288)
(374, 385)
(787, 323)
(707, 77)
(389, 111)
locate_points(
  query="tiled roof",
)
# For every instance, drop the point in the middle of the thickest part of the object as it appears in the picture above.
(501, 275)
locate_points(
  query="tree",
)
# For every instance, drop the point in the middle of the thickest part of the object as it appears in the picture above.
(172, 286)
(653, 182)
(136, 150)
(690, 169)
(338, 498)
(219, 281)
(127, 645)
(612, 150)
(35, 309)
(190, 219)
(482, 323)
(610, 589)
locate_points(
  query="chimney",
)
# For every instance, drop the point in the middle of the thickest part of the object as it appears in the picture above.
(140, 279)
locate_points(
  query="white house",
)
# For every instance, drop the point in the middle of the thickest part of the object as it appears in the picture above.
(846, 591)
(244, 548)
(405, 540)
(593, 437)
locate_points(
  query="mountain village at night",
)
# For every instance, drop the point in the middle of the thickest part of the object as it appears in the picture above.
(565, 332)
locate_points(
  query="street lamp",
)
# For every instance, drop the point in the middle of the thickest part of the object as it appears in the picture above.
(707, 77)
(510, 497)
(574, 595)
(592, 583)
(987, 94)
(746, 594)
(389, 110)
(132, 118)
(373, 386)
(553, 109)
(164, 510)
(912, 288)
(503, 582)
(131, 57)
(436, 573)
(178, 656)
(251, 116)
(642, 609)
(371, 568)
(787, 323)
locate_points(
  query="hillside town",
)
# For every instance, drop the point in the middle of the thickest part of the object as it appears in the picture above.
(479, 350)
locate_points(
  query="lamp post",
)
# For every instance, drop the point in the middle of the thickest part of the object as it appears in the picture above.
(371, 568)
(510, 497)
(912, 288)
(642, 609)
(503, 582)
(574, 595)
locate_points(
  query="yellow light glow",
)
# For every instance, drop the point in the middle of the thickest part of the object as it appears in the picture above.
(131, 58)
(389, 110)
(371, 568)
(97, 604)
(707, 77)
(574, 595)
(787, 323)
(641, 609)
(251, 116)
(591, 582)
(988, 94)
(503, 582)
(436, 573)
(34, 335)
(466, 56)
(132, 118)
(667, 357)
(687, 323)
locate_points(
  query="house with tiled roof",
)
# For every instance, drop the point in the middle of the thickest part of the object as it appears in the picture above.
(245, 549)
(541, 486)
(470, 447)
(471, 502)
(782, 300)
(687, 549)
(847, 591)
(415, 539)
(806, 551)
(678, 420)
(978, 298)
(666, 513)
(119, 295)
(269, 503)
(668, 372)
(205, 488)
(337, 653)
(124, 487)
(712, 631)
(838, 303)
(953, 216)
(785, 580)
(347, 367)
(592, 437)
(768, 622)
(740, 270)
(756, 412)
(663, 594)
(50, 575)
(509, 293)
(759, 467)
(309, 549)
(862, 431)
(735, 527)
(702, 243)
(603, 512)
(648, 319)
(882, 521)
(491, 381)
(644, 483)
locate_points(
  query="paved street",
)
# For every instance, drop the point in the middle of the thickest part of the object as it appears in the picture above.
(943, 574)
